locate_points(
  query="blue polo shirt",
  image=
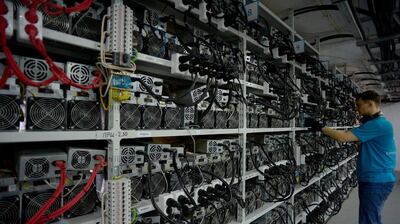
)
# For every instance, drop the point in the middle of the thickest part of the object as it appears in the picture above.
(377, 157)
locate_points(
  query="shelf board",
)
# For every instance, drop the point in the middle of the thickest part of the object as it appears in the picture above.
(185, 132)
(261, 211)
(268, 130)
(50, 136)
(91, 218)
(70, 39)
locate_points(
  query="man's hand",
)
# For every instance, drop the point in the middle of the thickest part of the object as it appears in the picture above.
(314, 125)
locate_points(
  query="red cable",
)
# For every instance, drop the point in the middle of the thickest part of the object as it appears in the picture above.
(56, 10)
(79, 196)
(6, 74)
(56, 194)
(11, 61)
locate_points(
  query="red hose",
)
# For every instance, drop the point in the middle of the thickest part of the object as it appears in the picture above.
(56, 10)
(6, 73)
(56, 194)
(11, 61)
(79, 196)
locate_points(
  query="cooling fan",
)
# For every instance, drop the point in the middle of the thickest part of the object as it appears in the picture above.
(219, 169)
(208, 120)
(174, 182)
(155, 152)
(172, 117)
(253, 120)
(130, 116)
(263, 121)
(85, 115)
(221, 119)
(212, 147)
(189, 116)
(9, 210)
(36, 168)
(60, 23)
(86, 205)
(152, 117)
(250, 202)
(36, 70)
(128, 155)
(233, 120)
(146, 80)
(79, 73)
(80, 159)
(32, 202)
(158, 184)
(10, 113)
(136, 189)
(46, 113)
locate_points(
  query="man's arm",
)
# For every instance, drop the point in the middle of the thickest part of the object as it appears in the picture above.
(339, 135)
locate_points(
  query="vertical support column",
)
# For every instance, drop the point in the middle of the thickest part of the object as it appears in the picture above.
(292, 134)
(243, 133)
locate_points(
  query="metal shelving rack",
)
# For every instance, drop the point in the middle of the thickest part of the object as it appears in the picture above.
(161, 68)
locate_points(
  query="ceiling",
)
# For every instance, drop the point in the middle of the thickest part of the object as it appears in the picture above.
(343, 52)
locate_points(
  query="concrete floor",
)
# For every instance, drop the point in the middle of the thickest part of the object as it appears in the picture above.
(349, 212)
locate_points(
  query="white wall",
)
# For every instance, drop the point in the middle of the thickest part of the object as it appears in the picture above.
(392, 112)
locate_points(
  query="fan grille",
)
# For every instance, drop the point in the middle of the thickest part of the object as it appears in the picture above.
(35, 70)
(80, 73)
(81, 159)
(148, 81)
(219, 169)
(47, 113)
(263, 121)
(208, 120)
(130, 116)
(128, 155)
(36, 202)
(87, 204)
(152, 117)
(136, 189)
(172, 118)
(9, 211)
(155, 152)
(158, 184)
(221, 119)
(9, 112)
(234, 120)
(189, 114)
(37, 167)
(85, 115)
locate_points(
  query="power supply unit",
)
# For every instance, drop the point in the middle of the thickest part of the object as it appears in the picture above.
(38, 164)
(83, 158)
(156, 152)
(209, 146)
(189, 117)
(154, 84)
(129, 157)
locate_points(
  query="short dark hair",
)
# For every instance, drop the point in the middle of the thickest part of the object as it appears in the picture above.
(370, 95)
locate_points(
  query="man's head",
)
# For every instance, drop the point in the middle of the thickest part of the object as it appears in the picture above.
(368, 103)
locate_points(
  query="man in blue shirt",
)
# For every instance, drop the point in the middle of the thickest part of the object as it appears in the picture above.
(377, 157)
